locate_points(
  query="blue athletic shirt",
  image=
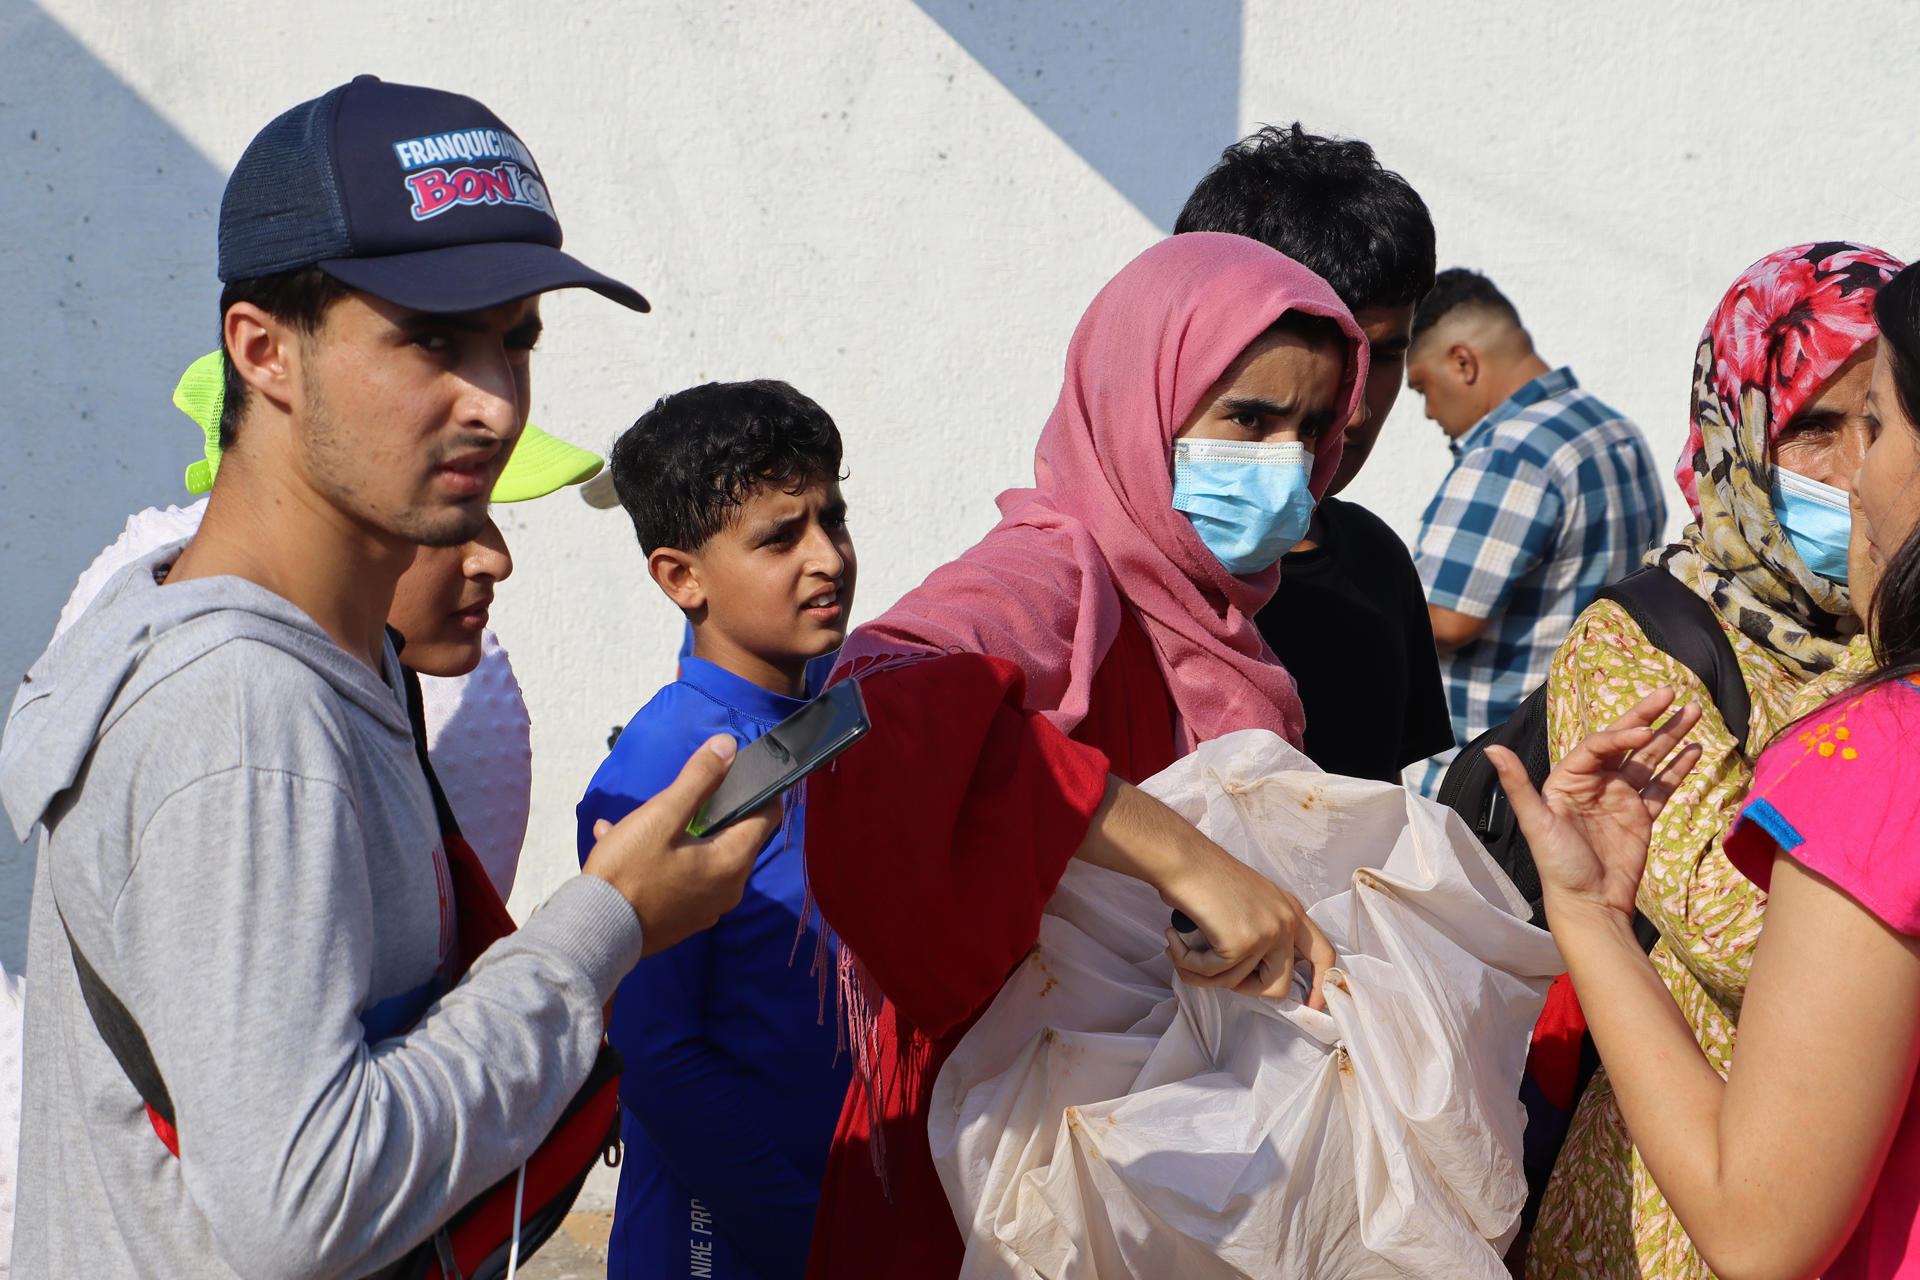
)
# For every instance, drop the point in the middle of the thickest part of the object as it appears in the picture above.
(732, 1086)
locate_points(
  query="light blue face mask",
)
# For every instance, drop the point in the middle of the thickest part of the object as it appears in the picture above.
(1817, 521)
(1248, 501)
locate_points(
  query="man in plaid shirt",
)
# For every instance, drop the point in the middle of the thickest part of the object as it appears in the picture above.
(1552, 495)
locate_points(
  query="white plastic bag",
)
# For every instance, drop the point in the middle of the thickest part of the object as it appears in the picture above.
(1103, 1120)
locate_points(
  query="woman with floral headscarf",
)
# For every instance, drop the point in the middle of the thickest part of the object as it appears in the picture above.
(1778, 430)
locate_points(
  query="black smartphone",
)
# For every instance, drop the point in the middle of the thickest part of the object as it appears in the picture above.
(786, 753)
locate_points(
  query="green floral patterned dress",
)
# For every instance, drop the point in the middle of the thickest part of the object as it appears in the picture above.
(1602, 1216)
(1787, 325)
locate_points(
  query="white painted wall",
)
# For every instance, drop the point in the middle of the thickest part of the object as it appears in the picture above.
(901, 208)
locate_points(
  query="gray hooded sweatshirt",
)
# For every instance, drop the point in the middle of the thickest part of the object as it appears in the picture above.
(242, 842)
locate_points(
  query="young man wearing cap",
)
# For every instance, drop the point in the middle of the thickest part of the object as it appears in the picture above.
(237, 838)
(485, 764)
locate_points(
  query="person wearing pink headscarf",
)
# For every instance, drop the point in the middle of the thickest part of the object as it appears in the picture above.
(1097, 633)
(1780, 379)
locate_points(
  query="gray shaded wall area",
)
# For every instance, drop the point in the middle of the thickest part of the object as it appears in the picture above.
(1148, 94)
(106, 246)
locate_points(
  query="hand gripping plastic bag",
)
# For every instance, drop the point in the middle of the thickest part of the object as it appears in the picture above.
(1102, 1119)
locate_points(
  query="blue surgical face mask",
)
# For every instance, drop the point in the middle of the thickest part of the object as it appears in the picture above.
(1817, 521)
(1248, 501)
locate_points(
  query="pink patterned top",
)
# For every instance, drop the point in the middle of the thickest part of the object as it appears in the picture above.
(1862, 748)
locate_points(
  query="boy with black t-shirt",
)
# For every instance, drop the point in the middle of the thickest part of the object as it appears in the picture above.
(1374, 701)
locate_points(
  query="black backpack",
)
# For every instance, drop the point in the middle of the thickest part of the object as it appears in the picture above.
(1674, 620)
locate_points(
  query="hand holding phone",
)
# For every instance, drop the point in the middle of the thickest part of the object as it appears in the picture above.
(812, 736)
(679, 884)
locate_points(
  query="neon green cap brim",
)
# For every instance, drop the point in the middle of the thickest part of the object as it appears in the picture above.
(199, 395)
(541, 463)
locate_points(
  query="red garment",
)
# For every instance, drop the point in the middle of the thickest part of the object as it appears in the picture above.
(1553, 1058)
(931, 849)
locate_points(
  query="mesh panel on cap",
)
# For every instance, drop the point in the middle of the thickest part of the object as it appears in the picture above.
(282, 208)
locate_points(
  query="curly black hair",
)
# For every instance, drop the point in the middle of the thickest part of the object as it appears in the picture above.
(1328, 204)
(685, 465)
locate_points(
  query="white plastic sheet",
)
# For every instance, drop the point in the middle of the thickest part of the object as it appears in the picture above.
(1103, 1120)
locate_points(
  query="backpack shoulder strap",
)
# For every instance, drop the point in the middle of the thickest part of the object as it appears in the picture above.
(123, 1037)
(1682, 624)
(482, 917)
(115, 1022)
(417, 718)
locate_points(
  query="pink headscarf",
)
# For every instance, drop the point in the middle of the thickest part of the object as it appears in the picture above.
(1098, 530)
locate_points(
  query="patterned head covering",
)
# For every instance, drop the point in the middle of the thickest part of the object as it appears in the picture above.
(1785, 327)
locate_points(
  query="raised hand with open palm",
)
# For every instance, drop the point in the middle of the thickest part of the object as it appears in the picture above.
(1590, 822)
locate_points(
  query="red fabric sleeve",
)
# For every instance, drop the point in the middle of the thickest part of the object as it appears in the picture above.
(933, 844)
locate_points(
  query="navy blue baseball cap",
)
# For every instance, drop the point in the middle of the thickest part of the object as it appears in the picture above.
(414, 195)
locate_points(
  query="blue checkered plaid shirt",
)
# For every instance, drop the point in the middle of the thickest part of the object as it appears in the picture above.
(1552, 496)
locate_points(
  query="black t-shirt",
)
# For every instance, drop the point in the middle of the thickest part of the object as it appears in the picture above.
(1350, 623)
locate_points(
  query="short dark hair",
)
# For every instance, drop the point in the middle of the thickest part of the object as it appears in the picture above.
(299, 298)
(1326, 203)
(1458, 287)
(685, 465)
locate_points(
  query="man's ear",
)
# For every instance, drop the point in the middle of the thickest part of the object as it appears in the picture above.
(264, 351)
(1464, 362)
(677, 573)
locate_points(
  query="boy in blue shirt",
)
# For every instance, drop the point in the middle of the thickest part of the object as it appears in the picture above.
(732, 1085)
